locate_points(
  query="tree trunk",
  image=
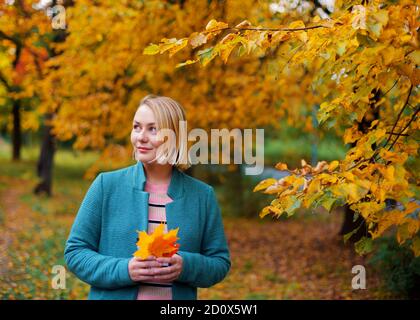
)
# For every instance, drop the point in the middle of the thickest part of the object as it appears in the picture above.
(17, 131)
(46, 159)
(349, 225)
(48, 147)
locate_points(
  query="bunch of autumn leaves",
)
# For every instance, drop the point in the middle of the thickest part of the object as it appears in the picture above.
(158, 243)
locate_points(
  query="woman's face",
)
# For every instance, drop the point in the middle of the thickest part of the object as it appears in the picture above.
(144, 134)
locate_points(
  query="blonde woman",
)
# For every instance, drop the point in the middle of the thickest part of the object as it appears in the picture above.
(102, 240)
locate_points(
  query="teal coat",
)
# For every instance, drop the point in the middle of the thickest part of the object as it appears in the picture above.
(103, 236)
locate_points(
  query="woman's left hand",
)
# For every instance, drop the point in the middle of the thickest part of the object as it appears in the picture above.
(169, 273)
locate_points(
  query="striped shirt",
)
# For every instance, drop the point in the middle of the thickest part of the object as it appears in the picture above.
(158, 198)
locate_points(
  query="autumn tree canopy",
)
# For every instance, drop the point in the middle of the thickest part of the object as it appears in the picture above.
(96, 82)
(361, 59)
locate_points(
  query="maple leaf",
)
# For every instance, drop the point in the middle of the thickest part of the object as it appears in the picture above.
(158, 243)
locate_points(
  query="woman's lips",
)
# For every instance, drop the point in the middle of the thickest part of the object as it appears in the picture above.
(141, 149)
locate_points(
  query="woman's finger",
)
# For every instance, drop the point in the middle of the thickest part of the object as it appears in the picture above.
(147, 271)
(145, 278)
(164, 260)
(166, 278)
(165, 270)
(149, 258)
(146, 264)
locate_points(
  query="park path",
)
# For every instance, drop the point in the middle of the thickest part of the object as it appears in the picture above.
(16, 217)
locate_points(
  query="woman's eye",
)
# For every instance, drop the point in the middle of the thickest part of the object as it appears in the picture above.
(153, 129)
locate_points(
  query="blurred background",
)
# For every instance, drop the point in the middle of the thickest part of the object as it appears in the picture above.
(71, 76)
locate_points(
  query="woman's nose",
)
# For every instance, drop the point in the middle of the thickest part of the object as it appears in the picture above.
(142, 136)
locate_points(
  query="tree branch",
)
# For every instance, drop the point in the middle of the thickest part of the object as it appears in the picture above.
(10, 38)
(408, 124)
(399, 116)
(17, 43)
(396, 81)
(265, 29)
(36, 61)
(4, 81)
(398, 134)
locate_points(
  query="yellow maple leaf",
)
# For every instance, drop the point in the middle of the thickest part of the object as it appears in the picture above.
(158, 243)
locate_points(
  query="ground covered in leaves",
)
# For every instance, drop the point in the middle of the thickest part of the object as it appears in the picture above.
(299, 258)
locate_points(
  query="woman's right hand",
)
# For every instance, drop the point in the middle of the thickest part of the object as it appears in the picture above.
(143, 269)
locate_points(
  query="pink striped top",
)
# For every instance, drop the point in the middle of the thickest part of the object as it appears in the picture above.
(158, 198)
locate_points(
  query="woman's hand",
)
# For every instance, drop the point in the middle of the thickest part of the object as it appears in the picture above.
(143, 270)
(169, 273)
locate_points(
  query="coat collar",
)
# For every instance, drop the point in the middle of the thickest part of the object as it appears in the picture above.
(176, 186)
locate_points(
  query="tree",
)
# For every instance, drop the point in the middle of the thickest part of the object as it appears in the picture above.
(48, 143)
(112, 75)
(26, 33)
(18, 63)
(21, 62)
(347, 58)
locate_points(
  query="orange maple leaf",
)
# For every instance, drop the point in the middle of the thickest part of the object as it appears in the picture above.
(158, 243)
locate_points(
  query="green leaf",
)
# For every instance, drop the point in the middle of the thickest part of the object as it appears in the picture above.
(377, 21)
(331, 123)
(341, 49)
(375, 28)
(206, 55)
(151, 49)
(296, 205)
(365, 40)
(241, 51)
(355, 216)
(328, 202)
(324, 111)
(364, 245)
(347, 236)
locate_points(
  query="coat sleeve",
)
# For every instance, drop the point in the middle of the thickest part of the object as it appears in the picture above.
(81, 249)
(212, 264)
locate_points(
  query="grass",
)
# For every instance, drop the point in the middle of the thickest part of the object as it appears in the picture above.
(68, 164)
(68, 170)
(2, 215)
(292, 146)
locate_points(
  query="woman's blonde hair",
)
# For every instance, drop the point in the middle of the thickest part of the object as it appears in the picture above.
(169, 113)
